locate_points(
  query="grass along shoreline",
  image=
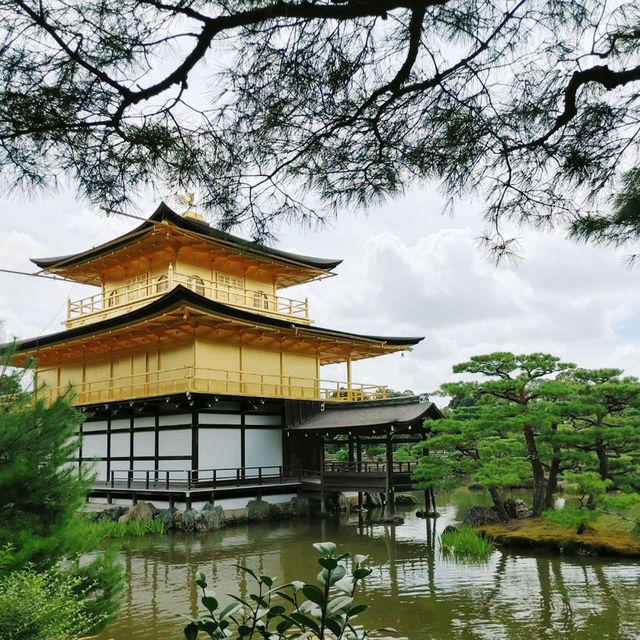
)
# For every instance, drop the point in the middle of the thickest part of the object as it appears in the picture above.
(608, 536)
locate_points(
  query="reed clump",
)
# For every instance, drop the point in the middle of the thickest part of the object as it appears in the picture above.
(465, 542)
(130, 529)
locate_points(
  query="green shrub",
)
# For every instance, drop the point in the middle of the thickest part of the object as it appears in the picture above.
(466, 542)
(46, 605)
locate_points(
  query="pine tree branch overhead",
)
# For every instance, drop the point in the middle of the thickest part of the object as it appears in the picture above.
(289, 110)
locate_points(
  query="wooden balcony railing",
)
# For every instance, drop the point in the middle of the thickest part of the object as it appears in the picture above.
(339, 466)
(216, 381)
(127, 298)
(187, 479)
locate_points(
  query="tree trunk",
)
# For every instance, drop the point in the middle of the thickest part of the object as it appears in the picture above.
(552, 483)
(498, 504)
(536, 468)
(603, 458)
(554, 472)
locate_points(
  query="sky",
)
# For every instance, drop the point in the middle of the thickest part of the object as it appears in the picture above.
(408, 270)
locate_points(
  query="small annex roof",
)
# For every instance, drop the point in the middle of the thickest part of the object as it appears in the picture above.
(206, 310)
(399, 413)
(198, 229)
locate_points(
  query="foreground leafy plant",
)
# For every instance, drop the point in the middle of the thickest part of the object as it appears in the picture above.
(300, 610)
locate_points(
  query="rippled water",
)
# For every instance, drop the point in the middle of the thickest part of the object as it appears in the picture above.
(413, 588)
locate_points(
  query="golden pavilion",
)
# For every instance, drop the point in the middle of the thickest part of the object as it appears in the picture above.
(189, 357)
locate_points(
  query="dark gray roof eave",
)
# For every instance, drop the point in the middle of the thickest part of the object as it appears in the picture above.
(164, 212)
(179, 295)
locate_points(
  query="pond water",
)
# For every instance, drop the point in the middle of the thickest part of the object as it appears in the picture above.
(519, 596)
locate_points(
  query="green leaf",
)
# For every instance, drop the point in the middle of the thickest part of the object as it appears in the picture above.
(325, 548)
(244, 602)
(229, 610)
(243, 630)
(314, 594)
(247, 570)
(209, 603)
(328, 563)
(334, 626)
(341, 602)
(345, 585)
(267, 580)
(258, 600)
(359, 608)
(283, 626)
(201, 580)
(310, 608)
(337, 574)
(278, 610)
(210, 627)
(191, 631)
(305, 620)
(284, 595)
(359, 574)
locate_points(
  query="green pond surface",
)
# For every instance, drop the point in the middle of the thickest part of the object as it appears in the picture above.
(513, 595)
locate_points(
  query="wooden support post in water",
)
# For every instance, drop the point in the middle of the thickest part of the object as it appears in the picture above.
(389, 506)
(323, 504)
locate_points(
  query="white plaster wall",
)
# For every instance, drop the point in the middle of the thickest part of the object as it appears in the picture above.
(170, 421)
(121, 423)
(263, 420)
(99, 468)
(219, 448)
(100, 425)
(144, 421)
(94, 446)
(174, 442)
(120, 444)
(183, 465)
(218, 418)
(141, 465)
(143, 443)
(263, 447)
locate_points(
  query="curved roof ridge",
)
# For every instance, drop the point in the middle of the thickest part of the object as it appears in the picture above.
(164, 212)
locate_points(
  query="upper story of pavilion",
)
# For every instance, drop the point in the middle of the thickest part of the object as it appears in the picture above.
(168, 250)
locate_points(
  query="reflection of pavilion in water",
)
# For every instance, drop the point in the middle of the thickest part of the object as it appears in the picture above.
(412, 587)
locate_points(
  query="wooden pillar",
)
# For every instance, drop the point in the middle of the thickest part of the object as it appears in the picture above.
(351, 451)
(131, 436)
(323, 501)
(195, 444)
(389, 506)
(156, 442)
(358, 454)
(108, 451)
(349, 393)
